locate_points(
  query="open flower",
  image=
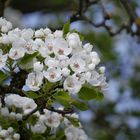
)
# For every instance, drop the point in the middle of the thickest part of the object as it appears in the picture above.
(18, 50)
(61, 48)
(34, 80)
(72, 85)
(52, 119)
(77, 64)
(53, 74)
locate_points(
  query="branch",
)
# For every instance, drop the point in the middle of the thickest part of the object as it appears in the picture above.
(62, 112)
(129, 10)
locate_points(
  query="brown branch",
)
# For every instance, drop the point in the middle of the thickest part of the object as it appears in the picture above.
(129, 10)
(62, 112)
(32, 112)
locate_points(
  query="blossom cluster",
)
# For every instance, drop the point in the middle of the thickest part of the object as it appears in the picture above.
(64, 59)
(8, 134)
(46, 57)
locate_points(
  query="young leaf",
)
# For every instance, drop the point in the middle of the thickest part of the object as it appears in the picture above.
(66, 29)
(80, 105)
(74, 121)
(33, 119)
(27, 61)
(63, 98)
(60, 135)
(32, 95)
(88, 92)
(3, 76)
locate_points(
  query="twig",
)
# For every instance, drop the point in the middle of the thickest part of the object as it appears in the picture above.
(62, 112)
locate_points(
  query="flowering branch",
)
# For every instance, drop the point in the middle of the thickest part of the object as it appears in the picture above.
(133, 17)
(54, 67)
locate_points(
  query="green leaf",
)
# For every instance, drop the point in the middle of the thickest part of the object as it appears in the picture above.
(27, 61)
(3, 76)
(80, 105)
(32, 95)
(47, 86)
(32, 119)
(60, 135)
(74, 121)
(66, 29)
(88, 92)
(38, 137)
(63, 98)
(99, 96)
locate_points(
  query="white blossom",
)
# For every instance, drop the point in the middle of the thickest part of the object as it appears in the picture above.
(53, 74)
(30, 46)
(95, 58)
(16, 52)
(88, 47)
(77, 64)
(38, 128)
(65, 72)
(34, 80)
(3, 59)
(39, 33)
(52, 119)
(37, 66)
(61, 48)
(74, 42)
(72, 85)
(58, 33)
(51, 62)
(73, 133)
(25, 103)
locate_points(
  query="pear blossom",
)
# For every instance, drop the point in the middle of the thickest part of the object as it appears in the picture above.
(16, 53)
(42, 49)
(34, 80)
(51, 62)
(25, 103)
(39, 33)
(72, 85)
(73, 40)
(49, 44)
(95, 58)
(65, 72)
(47, 31)
(73, 133)
(102, 69)
(52, 119)
(58, 33)
(37, 66)
(3, 59)
(30, 46)
(27, 34)
(53, 74)
(61, 48)
(77, 64)
(88, 47)
(38, 128)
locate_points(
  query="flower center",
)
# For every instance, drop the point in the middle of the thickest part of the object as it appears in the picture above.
(76, 65)
(50, 47)
(61, 51)
(52, 75)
